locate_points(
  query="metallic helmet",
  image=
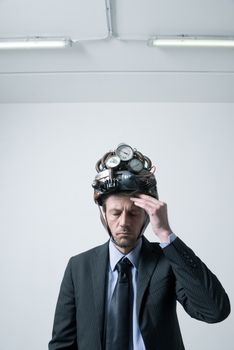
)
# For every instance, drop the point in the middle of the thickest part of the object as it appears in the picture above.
(124, 170)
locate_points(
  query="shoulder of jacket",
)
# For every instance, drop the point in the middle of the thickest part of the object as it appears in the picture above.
(89, 253)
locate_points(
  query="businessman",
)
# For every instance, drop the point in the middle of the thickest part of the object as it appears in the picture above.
(122, 295)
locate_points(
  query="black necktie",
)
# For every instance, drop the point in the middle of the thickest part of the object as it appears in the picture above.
(119, 315)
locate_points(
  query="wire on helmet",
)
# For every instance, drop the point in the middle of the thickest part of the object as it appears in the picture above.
(121, 170)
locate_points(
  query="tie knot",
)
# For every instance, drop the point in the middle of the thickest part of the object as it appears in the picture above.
(124, 265)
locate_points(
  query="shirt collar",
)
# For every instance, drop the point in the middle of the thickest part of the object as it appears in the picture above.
(115, 255)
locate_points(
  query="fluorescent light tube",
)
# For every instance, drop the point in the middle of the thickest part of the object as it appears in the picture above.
(186, 41)
(34, 43)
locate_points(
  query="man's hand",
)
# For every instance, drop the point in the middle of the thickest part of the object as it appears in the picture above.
(157, 212)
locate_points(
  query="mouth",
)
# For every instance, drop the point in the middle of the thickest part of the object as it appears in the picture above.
(125, 234)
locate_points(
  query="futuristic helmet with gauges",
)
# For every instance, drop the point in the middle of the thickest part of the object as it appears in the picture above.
(121, 170)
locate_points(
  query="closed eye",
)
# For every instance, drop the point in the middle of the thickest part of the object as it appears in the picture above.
(134, 213)
(115, 213)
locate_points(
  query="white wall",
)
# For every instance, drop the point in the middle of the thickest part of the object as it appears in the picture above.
(47, 158)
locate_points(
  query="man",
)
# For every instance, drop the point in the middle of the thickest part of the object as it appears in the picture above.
(122, 295)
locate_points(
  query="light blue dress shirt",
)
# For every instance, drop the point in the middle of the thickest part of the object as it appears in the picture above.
(115, 255)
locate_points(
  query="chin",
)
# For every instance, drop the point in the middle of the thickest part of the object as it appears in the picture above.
(126, 243)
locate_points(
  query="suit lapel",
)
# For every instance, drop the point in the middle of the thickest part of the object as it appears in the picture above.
(99, 274)
(148, 261)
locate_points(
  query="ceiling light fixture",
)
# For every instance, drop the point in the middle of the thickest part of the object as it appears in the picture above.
(34, 43)
(192, 41)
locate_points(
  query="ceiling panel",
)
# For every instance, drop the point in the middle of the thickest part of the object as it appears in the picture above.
(73, 18)
(170, 17)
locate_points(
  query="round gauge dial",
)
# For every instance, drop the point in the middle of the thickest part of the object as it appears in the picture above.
(135, 165)
(112, 162)
(125, 152)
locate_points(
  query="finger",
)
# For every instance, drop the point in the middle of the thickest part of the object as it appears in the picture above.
(140, 202)
(150, 208)
(152, 200)
(147, 199)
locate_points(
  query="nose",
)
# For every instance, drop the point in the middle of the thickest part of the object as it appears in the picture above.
(124, 222)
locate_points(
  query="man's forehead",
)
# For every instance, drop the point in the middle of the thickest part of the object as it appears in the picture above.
(119, 202)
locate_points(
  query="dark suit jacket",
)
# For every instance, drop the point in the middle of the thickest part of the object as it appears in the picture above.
(164, 276)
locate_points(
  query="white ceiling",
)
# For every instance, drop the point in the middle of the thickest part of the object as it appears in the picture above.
(121, 68)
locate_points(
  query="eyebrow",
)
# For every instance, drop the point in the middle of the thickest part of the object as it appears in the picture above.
(114, 210)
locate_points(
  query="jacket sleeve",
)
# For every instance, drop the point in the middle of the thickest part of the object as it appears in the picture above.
(197, 288)
(64, 328)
